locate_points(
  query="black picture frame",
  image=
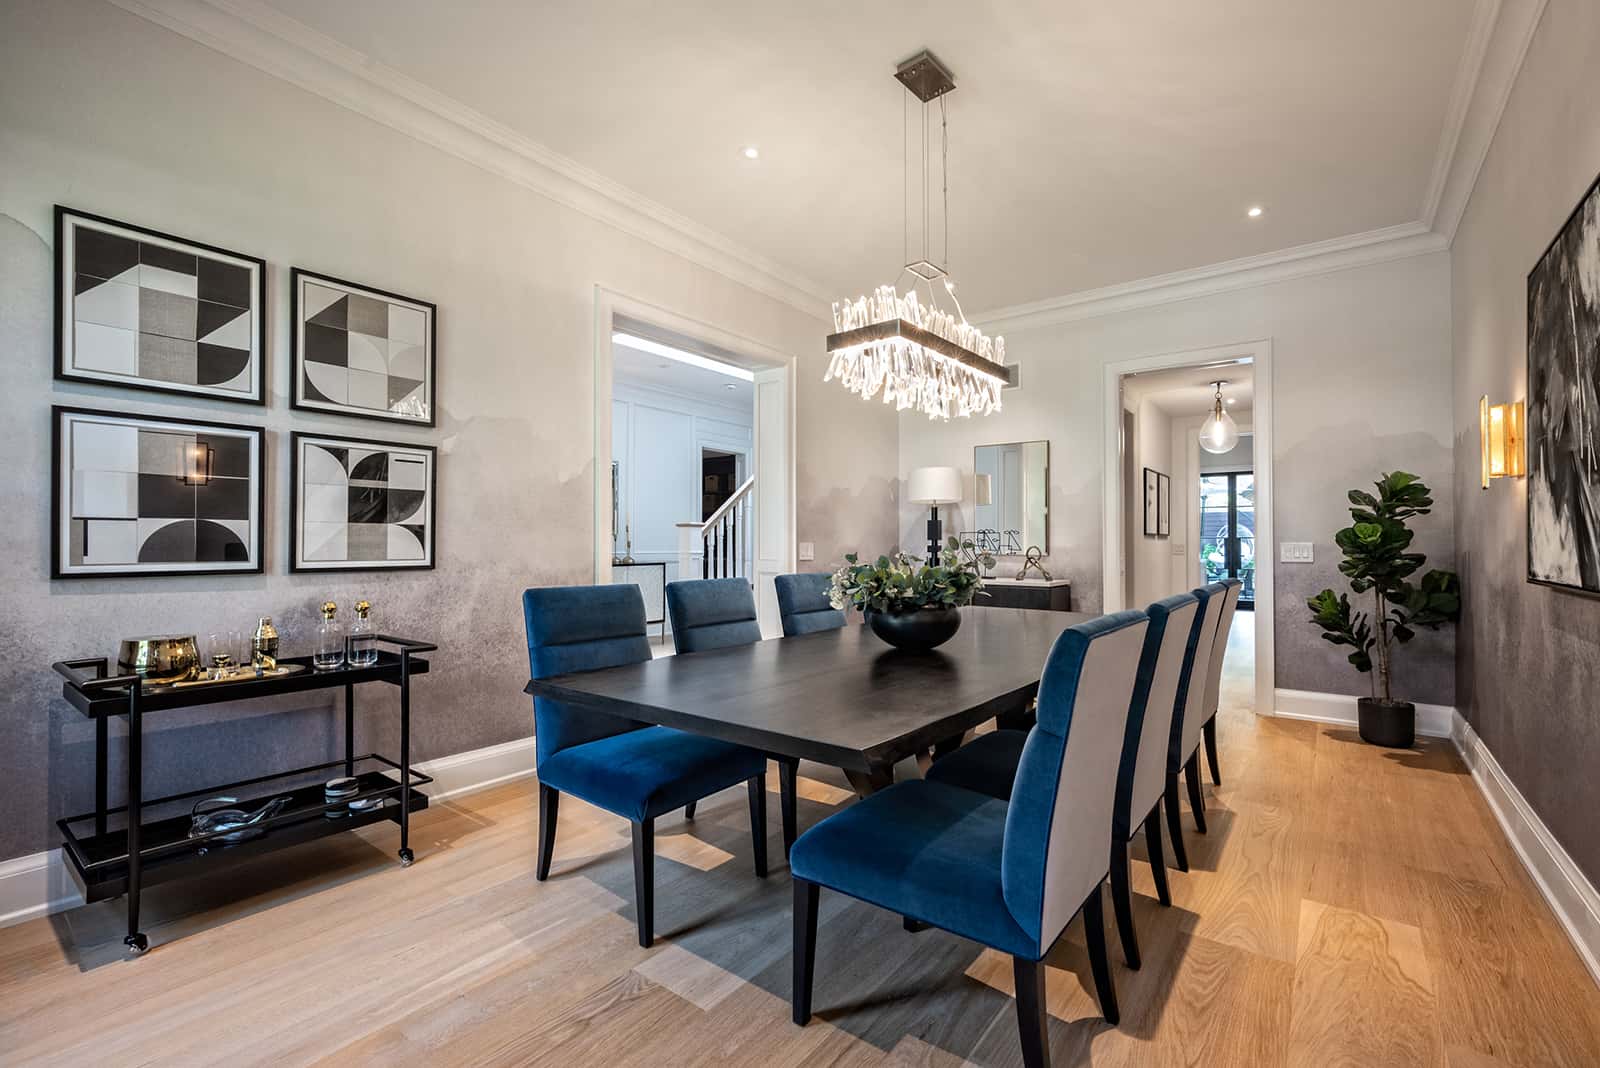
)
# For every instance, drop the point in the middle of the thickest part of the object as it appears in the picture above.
(297, 563)
(66, 303)
(1163, 506)
(61, 568)
(298, 380)
(1534, 429)
(1152, 502)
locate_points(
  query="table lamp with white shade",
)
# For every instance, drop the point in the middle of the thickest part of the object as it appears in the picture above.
(934, 486)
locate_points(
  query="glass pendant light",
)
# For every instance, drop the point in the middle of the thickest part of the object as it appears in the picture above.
(1219, 433)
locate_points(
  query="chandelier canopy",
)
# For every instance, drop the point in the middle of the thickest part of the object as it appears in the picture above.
(918, 354)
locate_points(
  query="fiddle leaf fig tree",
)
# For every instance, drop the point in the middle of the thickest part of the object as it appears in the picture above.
(1378, 559)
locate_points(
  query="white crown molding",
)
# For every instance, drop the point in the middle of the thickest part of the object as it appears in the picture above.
(1501, 33)
(255, 34)
(1485, 14)
(1320, 257)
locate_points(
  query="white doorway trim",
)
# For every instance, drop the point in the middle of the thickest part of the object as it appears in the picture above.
(608, 304)
(1259, 353)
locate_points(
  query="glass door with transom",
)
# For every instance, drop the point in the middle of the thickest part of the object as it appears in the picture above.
(1228, 531)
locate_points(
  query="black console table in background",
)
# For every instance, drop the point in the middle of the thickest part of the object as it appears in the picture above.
(107, 862)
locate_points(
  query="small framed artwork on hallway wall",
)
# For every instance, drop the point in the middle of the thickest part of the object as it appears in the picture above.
(1157, 504)
(1563, 423)
(146, 310)
(137, 495)
(360, 505)
(361, 351)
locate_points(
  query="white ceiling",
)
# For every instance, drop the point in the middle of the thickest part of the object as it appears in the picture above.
(1190, 391)
(1092, 143)
(631, 366)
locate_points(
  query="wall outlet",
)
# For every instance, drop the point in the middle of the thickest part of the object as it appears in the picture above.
(1294, 552)
(808, 550)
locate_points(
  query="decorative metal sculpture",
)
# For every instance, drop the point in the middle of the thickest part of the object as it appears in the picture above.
(1033, 560)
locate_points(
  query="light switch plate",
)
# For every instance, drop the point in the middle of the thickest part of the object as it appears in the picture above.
(1177, 548)
(808, 550)
(1294, 552)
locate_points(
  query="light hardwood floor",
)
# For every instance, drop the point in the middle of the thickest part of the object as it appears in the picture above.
(1350, 906)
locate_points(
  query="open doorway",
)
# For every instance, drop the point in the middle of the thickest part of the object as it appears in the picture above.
(1182, 512)
(694, 450)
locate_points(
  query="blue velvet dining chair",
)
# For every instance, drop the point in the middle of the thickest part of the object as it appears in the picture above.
(1188, 722)
(1008, 875)
(636, 771)
(803, 605)
(1219, 649)
(711, 614)
(989, 763)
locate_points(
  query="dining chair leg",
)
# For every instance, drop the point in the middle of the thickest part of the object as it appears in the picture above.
(549, 801)
(644, 879)
(805, 949)
(1033, 1020)
(1158, 862)
(688, 810)
(1122, 901)
(1197, 799)
(1094, 935)
(1180, 859)
(1209, 732)
(758, 821)
(788, 775)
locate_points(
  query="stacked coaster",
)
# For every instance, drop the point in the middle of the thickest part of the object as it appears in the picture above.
(337, 793)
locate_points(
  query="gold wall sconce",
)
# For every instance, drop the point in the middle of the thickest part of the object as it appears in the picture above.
(1500, 437)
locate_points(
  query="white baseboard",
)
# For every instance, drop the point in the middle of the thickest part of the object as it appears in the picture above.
(1433, 721)
(1569, 894)
(39, 884)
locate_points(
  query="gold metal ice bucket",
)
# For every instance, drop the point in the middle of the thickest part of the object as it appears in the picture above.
(164, 658)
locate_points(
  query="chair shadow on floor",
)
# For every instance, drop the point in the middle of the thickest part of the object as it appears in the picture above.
(876, 981)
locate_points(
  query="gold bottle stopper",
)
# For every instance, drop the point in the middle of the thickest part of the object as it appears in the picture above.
(328, 609)
(362, 608)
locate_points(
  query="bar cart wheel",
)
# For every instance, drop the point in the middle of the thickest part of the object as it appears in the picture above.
(137, 943)
(406, 857)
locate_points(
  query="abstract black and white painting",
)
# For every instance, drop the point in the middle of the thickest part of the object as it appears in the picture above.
(361, 351)
(1563, 420)
(148, 310)
(361, 505)
(137, 495)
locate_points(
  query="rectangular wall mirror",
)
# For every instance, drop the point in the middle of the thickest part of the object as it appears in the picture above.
(1012, 492)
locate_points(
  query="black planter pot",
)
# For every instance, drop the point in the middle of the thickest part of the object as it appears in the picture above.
(1387, 723)
(918, 630)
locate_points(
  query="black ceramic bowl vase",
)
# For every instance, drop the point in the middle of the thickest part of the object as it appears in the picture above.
(917, 630)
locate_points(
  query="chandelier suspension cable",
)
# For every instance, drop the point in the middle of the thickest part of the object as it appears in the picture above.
(944, 176)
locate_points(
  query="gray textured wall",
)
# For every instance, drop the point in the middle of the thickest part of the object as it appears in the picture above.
(185, 140)
(1528, 668)
(1361, 366)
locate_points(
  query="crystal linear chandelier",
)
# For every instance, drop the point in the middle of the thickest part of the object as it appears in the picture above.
(918, 354)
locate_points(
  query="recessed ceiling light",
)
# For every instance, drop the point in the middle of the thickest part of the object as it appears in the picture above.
(730, 385)
(752, 152)
(1230, 402)
(1255, 212)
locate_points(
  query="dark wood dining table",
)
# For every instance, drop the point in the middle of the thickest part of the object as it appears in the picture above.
(840, 697)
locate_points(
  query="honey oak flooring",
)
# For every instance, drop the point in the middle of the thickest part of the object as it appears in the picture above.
(1350, 906)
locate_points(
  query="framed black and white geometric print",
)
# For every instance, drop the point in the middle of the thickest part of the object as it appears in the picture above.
(360, 505)
(360, 351)
(138, 495)
(1563, 435)
(148, 310)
